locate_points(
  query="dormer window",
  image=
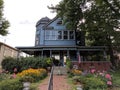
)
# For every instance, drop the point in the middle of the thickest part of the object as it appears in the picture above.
(59, 22)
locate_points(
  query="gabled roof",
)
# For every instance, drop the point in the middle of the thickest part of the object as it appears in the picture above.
(55, 18)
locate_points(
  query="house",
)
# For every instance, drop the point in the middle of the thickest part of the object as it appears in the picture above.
(53, 39)
(7, 51)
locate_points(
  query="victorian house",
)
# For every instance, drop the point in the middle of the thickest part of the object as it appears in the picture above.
(53, 39)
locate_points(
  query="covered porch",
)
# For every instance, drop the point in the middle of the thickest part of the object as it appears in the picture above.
(80, 55)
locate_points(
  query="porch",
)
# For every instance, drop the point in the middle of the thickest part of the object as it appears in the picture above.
(80, 55)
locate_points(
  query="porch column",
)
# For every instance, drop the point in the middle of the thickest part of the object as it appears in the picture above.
(68, 54)
(42, 54)
(50, 53)
(78, 57)
(105, 55)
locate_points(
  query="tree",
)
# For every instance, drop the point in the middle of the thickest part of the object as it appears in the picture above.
(4, 24)
(100, 19)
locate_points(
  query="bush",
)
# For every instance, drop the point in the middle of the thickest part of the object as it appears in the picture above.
(4, 76)
(68, 63)
(32, 75)
(11, 84)
(94, 83)
(10, 64)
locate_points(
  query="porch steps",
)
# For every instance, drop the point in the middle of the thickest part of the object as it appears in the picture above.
(60, 70)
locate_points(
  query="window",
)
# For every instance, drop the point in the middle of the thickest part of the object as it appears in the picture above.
(59, 35)
(71, 35)
(59, 22)
(65, 35)
(37, 40)
(52, 35)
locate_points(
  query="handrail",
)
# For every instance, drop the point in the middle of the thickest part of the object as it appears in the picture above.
(50, 83)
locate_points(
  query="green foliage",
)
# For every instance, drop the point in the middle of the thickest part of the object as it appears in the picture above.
(90, 82)
(98, 18)
(94, 83)
(27, 79)
(116, 78)
(4, 76)
(24, 63)
(68, 63)
(11, 84)
(49, 61)
(9, 64)
(4, 24)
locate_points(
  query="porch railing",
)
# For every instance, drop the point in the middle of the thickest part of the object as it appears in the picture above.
(50, 83)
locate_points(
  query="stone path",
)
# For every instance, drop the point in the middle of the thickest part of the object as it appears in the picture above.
(59, 83)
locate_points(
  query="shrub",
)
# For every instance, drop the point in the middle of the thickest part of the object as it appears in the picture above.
(94, 83)
(68, 63)
(10, 64)
(11, 84)
(4, 76)
(35, 74)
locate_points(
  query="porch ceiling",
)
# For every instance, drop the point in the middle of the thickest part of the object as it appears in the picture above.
(32, 49)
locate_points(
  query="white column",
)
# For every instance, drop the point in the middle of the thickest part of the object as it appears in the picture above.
(50, 53)
(68, 54)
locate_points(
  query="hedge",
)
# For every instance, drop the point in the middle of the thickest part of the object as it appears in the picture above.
(9, 64)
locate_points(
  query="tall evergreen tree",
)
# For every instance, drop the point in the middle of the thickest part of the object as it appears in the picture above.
(4, 24)
(100, 19)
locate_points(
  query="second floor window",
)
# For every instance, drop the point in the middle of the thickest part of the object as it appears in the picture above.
(59, 35)
(65, 35)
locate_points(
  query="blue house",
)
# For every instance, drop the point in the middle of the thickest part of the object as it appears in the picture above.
(53, 39)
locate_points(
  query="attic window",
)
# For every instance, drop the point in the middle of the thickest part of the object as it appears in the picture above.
(59, 22)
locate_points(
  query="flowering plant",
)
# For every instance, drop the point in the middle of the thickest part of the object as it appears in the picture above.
(76, 72)
(36, 74)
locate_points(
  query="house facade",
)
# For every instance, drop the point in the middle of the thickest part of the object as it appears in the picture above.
(7, 51)
(53, 39)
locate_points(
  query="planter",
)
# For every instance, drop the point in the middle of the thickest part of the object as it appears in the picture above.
(26, 85)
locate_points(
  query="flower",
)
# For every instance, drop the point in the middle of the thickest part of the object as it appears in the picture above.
(93, 70)
(109, 83)
(108, 76)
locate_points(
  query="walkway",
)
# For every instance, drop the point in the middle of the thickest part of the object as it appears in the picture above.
(59, 83)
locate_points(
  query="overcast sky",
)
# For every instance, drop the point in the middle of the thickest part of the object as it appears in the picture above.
(23, 15)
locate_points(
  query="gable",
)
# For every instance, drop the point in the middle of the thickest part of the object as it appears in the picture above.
(55, 24)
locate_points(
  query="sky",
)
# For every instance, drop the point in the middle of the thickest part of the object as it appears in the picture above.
(23, 16)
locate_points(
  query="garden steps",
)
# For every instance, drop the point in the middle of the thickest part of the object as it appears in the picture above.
(60, 70)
